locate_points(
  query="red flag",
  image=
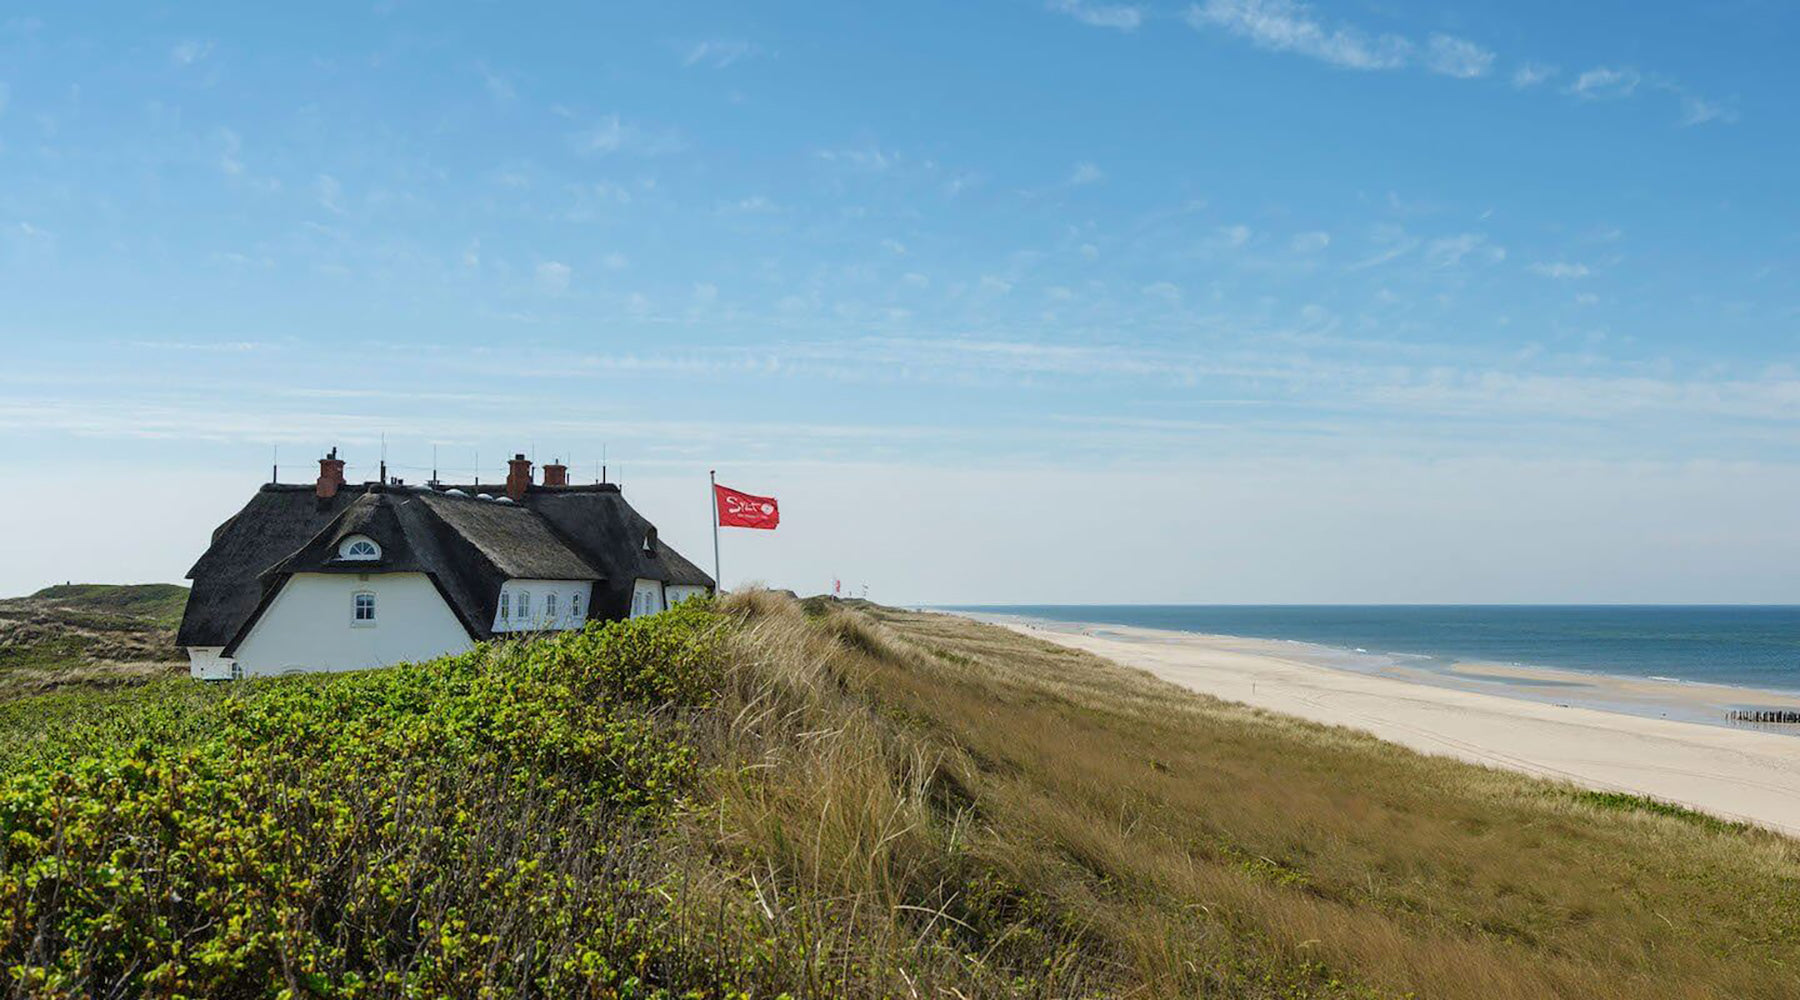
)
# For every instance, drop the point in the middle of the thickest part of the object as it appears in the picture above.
(741, 510)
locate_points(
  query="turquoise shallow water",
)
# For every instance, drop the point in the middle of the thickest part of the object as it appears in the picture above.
(1744, 646)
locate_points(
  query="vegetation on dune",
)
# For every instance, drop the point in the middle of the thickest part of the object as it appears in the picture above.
(761, 798)
(162, 602)
(89, 635)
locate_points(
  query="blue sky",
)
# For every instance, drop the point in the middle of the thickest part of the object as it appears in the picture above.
(1331, 301)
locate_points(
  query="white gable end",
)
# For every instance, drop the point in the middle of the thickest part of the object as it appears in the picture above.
(350, 621)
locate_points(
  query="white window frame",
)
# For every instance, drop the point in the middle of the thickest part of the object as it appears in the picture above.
(347, 546)
(356, 606)
(575, 607)
(524, 607)
(550, 606)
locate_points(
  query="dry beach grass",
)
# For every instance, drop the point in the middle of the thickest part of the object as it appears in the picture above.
(1209, 848)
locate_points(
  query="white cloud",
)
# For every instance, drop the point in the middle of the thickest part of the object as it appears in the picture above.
(1100, 15)
(1697, 110)
(1561, 270)
(717, 53)
(995, 285)
(1164, 290)
(1312, 242)
(1531, 74)
(615, 261)
(612, 134)
(1603, 82)
(1287, 26)
(1085, 173)
(870, 157)
(230, 160)
(1457, 57)
(1451, 251)
(1234, 236)
(330, 193)
(498, 87)
(754, 205)
(894, 247)
(553, 277)
(189, 52)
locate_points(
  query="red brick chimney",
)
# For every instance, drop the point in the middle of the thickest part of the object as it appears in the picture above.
(518, 477)
(331, 476)
(556, 474)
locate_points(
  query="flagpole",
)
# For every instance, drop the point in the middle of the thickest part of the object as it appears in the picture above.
(712, 477)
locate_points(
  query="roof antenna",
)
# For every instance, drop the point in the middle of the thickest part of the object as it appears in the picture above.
(275, 466)
(603, 463)
(478, 467)
(434, 478)
(383, 479)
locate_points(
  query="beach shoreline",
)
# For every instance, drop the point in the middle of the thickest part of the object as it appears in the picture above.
(1652, 737)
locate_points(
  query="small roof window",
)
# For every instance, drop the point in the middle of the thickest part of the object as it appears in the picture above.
(359, 548)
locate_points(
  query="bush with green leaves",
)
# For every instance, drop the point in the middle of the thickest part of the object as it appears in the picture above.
(481, 824)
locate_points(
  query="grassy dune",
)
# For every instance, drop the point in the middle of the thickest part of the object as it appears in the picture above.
(768, 798)
(89, 635)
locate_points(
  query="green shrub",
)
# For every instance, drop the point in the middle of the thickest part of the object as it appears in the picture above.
(483, 823)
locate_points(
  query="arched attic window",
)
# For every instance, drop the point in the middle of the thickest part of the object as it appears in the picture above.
(359, 548)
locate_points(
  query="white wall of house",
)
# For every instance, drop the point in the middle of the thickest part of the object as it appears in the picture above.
(551, 604)
(205, 663)
(678, 592)
(311, 625)
(646, 597)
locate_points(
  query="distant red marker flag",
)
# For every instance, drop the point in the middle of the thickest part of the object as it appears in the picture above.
(741, 510)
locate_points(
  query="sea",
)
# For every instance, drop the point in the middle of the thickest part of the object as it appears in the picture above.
(1756, 646)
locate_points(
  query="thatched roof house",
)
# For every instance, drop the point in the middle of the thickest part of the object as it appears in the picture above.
(335, 576)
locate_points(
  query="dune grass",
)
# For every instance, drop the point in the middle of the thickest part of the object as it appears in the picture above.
(1188, 827)
(768, 798)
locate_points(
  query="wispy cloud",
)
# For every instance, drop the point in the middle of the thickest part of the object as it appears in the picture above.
(1457, 57)
(1606, 83)
(1122, 17)
(717, 53)
(1287, 26)
(189, 52)
(1697, 110)
(553, 277)
(498, 87)
(1559, 269)
(865, 157)
(612, 134)
(1085, 173)
(1452, 251)
(1312, 242)
(329, 194)
(1532, 74)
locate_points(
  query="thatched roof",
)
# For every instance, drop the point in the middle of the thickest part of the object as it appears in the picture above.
(468, 547)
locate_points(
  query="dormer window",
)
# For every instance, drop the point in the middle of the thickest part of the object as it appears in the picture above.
(359, 548)
(650, 542)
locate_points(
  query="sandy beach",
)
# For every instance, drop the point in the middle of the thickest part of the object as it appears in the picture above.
(1735, 773)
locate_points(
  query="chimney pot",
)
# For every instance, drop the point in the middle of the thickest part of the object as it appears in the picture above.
(556, 474)
(331, 476)
(518, 477)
